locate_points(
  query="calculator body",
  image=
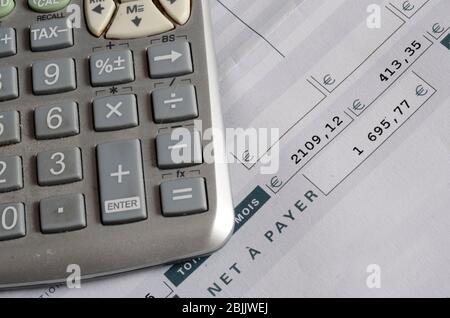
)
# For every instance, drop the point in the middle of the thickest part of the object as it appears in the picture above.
(101, 248)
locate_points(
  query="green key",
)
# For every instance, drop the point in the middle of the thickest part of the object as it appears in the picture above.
(46, 6)
(6, 6)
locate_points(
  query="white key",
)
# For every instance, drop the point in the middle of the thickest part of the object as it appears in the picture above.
(137, 19)
(179, 10)
(98, 15)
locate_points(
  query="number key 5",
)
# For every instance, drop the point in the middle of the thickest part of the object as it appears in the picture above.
(9, 128)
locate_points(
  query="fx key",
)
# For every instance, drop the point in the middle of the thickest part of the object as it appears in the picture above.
(121, 178)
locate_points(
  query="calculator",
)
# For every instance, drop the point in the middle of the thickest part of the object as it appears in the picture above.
(105, 107)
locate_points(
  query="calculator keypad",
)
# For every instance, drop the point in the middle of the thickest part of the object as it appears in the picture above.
(120, 165)
(92, 170)
(54, 76)
(11, 178)
(59, 167)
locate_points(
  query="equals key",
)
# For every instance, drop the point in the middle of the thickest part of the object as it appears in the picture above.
(183, 197)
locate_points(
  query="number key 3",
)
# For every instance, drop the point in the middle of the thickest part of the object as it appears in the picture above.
(59, 167)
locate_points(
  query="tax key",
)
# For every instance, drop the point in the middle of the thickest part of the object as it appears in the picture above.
(51, 35)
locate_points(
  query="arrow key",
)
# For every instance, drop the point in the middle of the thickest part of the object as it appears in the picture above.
(98, 15)
(179, 10)
(136, 19)
(170, 59)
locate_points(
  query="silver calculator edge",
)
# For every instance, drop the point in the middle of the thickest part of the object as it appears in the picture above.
(223, 222)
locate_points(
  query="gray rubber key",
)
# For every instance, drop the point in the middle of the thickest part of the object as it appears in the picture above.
(54, 76)
(59, 167)
(111, 68)
(183, 197)
(12, 221)
(115, 112)
(170, 59)
(178, 151)
(11, 177)
(9, 88)
(9, 128)
(62, 214)
(173, 104)
(51, 35)
(57, 121)
(121, 178)
(8, 45)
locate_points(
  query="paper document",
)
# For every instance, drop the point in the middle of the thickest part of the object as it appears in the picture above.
(360, 204)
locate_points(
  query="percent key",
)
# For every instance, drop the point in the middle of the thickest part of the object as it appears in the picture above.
(115, 67)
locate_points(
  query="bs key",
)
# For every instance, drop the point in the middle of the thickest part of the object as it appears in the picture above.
(121, 179)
